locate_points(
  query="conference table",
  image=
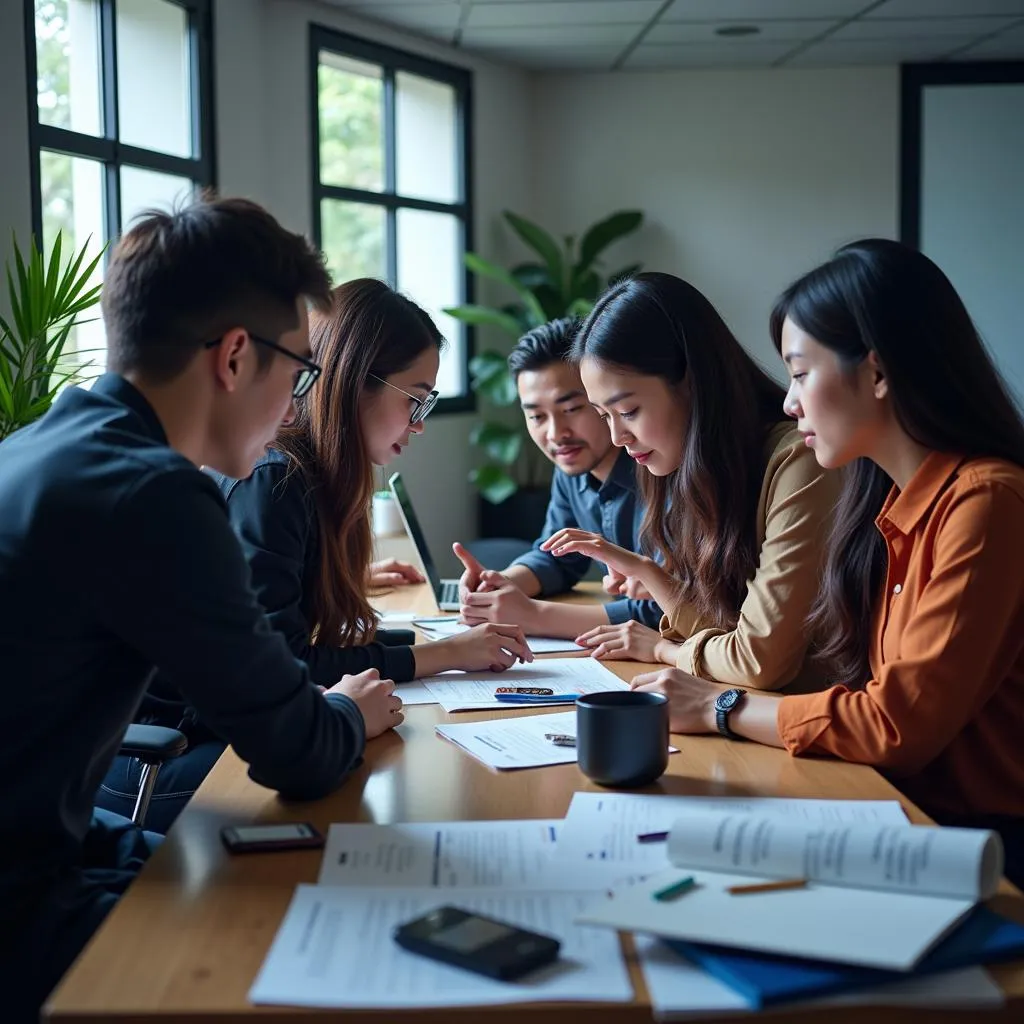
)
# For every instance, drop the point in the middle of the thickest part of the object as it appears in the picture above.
(187, 940)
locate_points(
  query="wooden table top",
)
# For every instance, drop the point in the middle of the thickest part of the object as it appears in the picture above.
(187, 940)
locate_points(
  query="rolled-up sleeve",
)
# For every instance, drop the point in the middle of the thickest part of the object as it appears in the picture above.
(769, 644)
(958, 646)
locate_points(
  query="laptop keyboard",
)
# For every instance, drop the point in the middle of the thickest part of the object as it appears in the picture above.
(449, 592)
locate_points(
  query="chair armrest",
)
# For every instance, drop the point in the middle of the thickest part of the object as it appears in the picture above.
(153, 744)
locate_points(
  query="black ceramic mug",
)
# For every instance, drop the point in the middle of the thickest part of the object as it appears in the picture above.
(622, 737)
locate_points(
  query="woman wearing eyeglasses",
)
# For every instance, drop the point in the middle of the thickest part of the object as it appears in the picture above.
(303, 518)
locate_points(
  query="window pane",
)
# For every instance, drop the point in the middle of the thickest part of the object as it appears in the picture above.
(153, 80)
(68, 64)
(429, 272)
(143, 190)
(72, 193)
(353, 239)
(425, 131)
(351, 103)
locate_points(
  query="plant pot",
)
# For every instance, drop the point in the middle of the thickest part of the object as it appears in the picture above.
(521, 515)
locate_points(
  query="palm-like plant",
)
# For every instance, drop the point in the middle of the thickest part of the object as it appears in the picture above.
(566, 281)
(45, 300)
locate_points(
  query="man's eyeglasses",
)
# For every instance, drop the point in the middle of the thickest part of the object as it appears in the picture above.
(422, 406)
(304, 378)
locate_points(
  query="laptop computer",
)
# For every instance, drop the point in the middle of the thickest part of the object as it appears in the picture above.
(446, 592)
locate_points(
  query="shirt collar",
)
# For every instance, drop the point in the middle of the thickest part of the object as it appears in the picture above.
(905, 509)
(622, 475)
(114, 386)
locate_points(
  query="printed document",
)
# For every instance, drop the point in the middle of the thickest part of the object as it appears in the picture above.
(437, 630)
(335, 949)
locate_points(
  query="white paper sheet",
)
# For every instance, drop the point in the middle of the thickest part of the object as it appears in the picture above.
(602, 827)
(507, 743)
(463, 854)
(850, 926)
(471, 691)
(679, 990)
(334, 949)
(414, 693)
(954, 862)
(537, 644)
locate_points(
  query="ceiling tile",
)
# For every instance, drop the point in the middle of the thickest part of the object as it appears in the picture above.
(578, 58)
(790, 30)
(1006, 46)
(757, 11)
(698, 55)
(441, 16)
(929, 28)
(562, 12)
(550, 35)
(836, 53)
(946, 8)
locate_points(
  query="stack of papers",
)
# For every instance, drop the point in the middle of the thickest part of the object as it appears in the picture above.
(473, 691)
(439, 628)
(335, 948)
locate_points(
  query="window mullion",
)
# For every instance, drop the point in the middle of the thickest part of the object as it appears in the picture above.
(108, 63)
(390, 177)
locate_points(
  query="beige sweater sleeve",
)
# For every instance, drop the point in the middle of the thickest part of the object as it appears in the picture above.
(767, 648)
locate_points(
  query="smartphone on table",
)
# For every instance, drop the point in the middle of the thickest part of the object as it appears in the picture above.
(265, 838)
(477, 943)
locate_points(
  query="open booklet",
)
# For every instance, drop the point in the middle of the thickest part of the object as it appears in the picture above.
(875, 894)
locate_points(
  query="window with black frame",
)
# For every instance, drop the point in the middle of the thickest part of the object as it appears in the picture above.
(119, 118)
(391, 190)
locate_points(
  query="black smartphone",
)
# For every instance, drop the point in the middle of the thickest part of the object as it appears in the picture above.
(259, 838)
(477, 943)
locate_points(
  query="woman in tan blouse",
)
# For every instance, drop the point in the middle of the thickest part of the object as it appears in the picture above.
(737, 505)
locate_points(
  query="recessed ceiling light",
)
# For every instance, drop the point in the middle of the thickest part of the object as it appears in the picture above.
(735, 31)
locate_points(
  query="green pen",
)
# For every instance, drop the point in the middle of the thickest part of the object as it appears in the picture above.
(675, 890)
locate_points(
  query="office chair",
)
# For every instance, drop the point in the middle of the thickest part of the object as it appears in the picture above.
(152, 745)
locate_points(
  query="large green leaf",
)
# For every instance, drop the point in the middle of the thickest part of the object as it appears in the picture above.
(602, 234)
(484, 316)
(580, 308)
(494, 483)
(502, 443)
(541, 243)
(586, 285)
(533, 276)
(534, 312)
(491, 378)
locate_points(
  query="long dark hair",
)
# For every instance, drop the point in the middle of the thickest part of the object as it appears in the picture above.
(369, 330)
(701, 519)
(879, 296)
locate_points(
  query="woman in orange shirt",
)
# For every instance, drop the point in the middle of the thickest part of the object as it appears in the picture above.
(921, 609)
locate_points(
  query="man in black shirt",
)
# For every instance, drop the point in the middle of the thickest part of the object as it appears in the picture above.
(116, 556)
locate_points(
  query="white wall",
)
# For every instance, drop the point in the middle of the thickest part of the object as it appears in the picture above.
(264, 152)
(972, 207)
(746, 178)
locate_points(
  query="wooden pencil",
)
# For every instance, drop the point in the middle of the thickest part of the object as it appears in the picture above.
(785, 883)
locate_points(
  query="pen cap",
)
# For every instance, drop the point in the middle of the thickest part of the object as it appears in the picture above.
(622, 737)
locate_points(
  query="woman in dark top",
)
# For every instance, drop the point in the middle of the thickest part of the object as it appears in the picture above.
(303, 518)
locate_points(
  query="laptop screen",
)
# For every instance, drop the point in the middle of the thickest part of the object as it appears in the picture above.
(412, 525)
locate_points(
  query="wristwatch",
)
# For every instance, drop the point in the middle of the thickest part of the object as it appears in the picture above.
(725, 704)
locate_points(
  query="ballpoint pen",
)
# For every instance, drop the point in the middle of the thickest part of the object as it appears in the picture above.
(536, 698)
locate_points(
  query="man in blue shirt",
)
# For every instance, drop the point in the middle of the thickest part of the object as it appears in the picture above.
(117, 557)
(593, 488)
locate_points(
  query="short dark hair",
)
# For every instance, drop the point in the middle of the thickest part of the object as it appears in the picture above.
(177, 280)
(537, 348)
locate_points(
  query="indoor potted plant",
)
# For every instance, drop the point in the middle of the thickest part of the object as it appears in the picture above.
(565, 280)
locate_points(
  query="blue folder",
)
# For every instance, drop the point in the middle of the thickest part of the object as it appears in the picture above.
(984, 937)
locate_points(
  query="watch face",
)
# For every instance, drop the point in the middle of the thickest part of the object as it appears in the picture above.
(728, 700)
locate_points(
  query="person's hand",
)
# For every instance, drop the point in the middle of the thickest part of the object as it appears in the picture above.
(493, 646)
(593, 545)
(617, 585)
(691, 700)
(376, 699)
(507, 604)
(393, 573)
(623, 641)
(475, 579)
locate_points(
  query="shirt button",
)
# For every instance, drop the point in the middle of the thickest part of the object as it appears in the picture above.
(898, 588)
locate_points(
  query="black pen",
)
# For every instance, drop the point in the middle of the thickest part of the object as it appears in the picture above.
(652, 837)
